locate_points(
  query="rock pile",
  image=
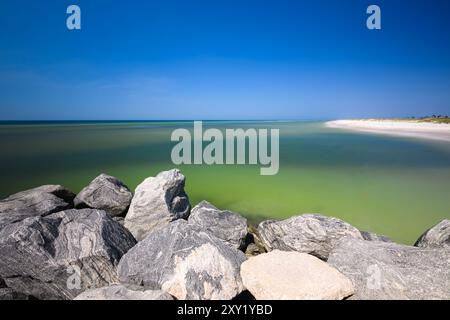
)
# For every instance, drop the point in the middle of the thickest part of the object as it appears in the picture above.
(107, 243)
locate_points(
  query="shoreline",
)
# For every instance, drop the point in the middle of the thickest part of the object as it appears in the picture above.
(405, 128)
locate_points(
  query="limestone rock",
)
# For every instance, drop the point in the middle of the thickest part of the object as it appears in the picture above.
(105, 193)
(40, 201)
(63, 254)
(157, 202)
(225, 225)
(436, 237)
(385, 271)
(184, 261)
(281, 275)
(121, 292)
(307, 233)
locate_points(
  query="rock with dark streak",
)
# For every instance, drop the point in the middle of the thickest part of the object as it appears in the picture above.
(225, 225)
(105, 193)
(186, 262)
(63, 254)
(308, 233)
(436, 237)
(40, 201)
(121, 292)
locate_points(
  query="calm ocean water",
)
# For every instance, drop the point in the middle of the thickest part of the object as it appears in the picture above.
(395, 186)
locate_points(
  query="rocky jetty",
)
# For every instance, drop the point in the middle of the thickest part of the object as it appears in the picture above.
(107, 244)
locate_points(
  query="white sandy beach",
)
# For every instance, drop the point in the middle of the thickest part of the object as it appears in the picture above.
(435, 131)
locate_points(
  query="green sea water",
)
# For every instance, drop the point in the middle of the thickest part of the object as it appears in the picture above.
(390, 185)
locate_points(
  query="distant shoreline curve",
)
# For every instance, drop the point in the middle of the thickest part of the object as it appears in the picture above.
(432, 131)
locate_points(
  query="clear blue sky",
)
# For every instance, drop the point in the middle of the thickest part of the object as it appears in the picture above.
(223, 59)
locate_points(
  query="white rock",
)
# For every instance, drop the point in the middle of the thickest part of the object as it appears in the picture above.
(282, 275)
(157, 202)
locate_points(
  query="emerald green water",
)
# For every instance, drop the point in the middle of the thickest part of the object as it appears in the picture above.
(395, 186)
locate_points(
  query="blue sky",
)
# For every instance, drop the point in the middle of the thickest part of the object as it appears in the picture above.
(223, 59)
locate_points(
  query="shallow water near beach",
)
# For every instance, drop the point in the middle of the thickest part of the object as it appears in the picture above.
(390, 185)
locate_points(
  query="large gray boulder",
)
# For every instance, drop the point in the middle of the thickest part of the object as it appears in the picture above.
(63, 254)
(307, 233)
(122, 292)
(157, 201)
(225, 225)
(282, 275)
(184, 261)
(385, 271)
(105, 193)
(436, 237)
(40, 201)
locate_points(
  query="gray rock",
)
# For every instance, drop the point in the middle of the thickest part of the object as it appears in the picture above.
(40, 201)
(120, 220)
(184, 261)
(225, 225)
(105, 193)
(369, 236)
(9, 294)
(384, 271)
(157, 201)
(436, 237)
(121, 292)
(307, 233)
(63, 254)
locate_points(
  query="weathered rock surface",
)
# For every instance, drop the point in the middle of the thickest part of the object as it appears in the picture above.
(225, 225)
(121, 292)
(381, 270)
(63, 254)
(105, 193)
(281, 275)
(40, 201)
(184, 261)
(157, 201)
(436, 237)
(307, 233)
(369, 236)
(9, 294)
